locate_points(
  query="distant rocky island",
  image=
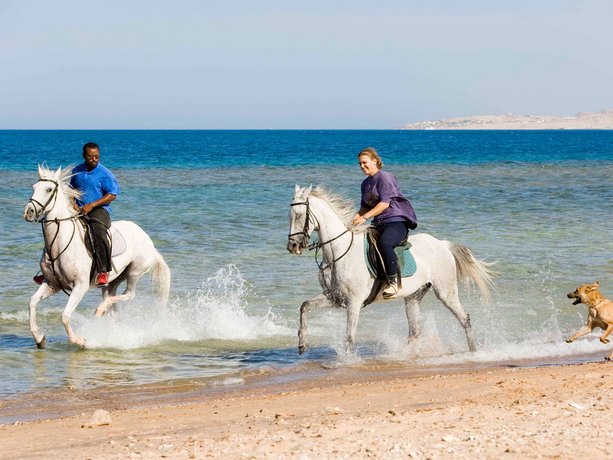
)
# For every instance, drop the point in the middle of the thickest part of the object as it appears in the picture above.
(582, 120)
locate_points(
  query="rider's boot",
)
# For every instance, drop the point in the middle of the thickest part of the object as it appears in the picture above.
(390, 291)
(102, 279)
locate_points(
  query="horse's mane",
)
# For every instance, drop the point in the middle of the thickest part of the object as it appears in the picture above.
(63, 179)
(344, 208)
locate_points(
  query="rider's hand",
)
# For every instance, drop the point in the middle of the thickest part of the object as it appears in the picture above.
(86, 208)
(358, 220)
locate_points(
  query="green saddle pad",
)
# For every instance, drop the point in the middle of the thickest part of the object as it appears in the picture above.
(406, 261)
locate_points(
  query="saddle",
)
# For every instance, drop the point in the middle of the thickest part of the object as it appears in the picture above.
(117, 243)
(374, 262)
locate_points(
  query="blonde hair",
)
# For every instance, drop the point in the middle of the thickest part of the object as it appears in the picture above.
(371, 153)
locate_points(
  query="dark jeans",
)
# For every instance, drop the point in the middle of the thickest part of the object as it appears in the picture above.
(391, 235)
(100, 222)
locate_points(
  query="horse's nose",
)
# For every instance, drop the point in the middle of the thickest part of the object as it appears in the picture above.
(294, 248)
(29, 213)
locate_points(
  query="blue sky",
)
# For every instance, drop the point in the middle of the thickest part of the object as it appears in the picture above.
(187, 64)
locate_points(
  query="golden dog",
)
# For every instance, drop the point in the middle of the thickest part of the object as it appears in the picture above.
(600, 312)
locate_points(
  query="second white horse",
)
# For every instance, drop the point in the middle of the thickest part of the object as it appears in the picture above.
(346, 280)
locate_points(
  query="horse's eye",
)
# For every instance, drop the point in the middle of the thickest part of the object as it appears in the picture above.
(49, 190)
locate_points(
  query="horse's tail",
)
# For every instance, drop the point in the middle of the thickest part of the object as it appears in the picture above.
(161, 278)
(472, 270)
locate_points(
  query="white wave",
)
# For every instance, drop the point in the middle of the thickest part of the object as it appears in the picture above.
(21, 316)
(436, 349)
(217, 310)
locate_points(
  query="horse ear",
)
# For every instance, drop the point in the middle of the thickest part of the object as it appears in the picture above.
(307, 191)
(296, 190)
(58, 172)
(40, 171)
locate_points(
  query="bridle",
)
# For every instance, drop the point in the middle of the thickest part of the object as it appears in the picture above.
(43, 207)
(303, 244)
(317, 245)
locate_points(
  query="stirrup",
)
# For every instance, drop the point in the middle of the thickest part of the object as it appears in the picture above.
(390, 291)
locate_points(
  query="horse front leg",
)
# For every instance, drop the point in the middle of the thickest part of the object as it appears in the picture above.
(316, 302)
(44, 291)
(76, 295)
(411, 307)
(353, 315)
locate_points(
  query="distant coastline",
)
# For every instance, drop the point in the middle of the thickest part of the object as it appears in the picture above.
(582, 120)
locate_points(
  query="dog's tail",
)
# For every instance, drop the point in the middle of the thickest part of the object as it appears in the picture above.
(472, 270)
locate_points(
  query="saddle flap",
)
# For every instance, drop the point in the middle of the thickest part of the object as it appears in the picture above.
(118, 243)
(406, 261)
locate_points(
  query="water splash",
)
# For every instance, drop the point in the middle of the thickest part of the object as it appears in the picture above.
(218, 310)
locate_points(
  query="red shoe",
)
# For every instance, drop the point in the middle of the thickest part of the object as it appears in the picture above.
(38, 279)
(102, 279)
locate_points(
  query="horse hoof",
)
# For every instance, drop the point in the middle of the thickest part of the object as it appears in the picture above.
(302, 349)
(42, 344)
(607, 358)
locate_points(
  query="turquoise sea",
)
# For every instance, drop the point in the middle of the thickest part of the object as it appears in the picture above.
(539, 203)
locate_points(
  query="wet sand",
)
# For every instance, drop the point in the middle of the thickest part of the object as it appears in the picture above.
(559, 411)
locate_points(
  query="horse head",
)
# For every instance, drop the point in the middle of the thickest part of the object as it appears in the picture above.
(299, 217)
(46, 190)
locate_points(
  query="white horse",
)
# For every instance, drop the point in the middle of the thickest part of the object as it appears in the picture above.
(346, 280)
(66, 262)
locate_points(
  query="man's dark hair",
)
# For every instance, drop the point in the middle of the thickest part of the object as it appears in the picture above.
(90, 146)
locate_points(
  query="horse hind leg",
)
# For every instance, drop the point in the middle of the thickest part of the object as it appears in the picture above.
(411, 307)
(110, 291)
(110, 297)
(451, 300)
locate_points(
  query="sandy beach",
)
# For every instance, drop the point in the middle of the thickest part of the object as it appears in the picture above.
(529, 412)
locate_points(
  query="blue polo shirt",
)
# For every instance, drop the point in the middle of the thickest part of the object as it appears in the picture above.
(94, 184)
(383, 186)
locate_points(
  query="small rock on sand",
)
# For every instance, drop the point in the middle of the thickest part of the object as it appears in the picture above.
(99, 418)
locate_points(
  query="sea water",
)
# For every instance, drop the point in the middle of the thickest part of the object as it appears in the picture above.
(538, 203)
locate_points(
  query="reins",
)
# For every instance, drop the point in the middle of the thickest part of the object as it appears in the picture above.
(48, 246)
(318, 244)
(44, 222)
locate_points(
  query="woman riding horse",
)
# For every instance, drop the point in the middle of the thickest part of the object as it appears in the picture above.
(392, 213)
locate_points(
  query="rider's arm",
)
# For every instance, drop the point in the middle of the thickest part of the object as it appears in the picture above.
(106, 199)
(365, 213)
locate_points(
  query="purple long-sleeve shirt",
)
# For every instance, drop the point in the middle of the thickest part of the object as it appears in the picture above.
(383, 186)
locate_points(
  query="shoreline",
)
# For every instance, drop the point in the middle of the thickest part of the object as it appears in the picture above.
(61, 402)
(464, 413)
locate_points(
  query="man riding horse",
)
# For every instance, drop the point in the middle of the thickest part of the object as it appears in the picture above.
(98, 187)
